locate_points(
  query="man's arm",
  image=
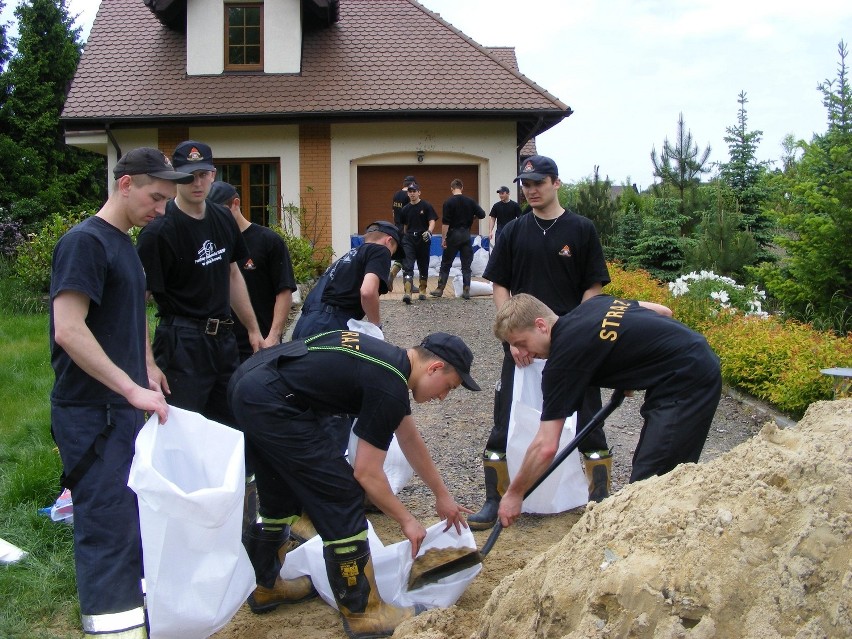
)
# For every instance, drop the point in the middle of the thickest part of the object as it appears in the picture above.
(156, 378)
(500, 295)
(665, 311)
(280, 313)
(594, 289)
(72, 334)
(370, 298)
(538, 457)
(241, 304)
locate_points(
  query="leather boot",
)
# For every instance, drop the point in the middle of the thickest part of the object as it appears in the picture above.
(466, 293)
(353, 582)
(496, 482)
(407, 282)
(395, 269)
(597, 465)
(262, 545)
(439, 290)
(424, 282)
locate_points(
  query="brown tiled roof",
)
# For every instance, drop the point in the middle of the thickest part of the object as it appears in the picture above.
(365, 67)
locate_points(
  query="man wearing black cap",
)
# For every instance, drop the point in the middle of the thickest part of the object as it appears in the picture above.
(191, 260)
(400, 199)
(418, 219)
(502, 213)
(350, 288)
(555, 255)
(276, 395)
(106, 380)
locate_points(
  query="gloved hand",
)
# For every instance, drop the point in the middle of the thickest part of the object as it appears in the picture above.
(427, 236)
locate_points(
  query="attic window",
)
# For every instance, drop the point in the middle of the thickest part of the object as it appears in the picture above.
(244, 36)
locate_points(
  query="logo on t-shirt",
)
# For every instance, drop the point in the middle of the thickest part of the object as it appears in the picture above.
(565, 251)
(249, 265)
(208, 253)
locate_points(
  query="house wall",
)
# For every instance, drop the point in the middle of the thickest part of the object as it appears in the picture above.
(205, 36)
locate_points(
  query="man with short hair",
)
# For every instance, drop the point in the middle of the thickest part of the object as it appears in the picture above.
(459, 212)
(418, 221)
(502, 213)
(106, 379)
(621, 344)
(191, 260)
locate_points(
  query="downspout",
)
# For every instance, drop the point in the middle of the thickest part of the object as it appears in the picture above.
(112, 139)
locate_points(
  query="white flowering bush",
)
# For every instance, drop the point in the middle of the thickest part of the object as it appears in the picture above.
(725, 292)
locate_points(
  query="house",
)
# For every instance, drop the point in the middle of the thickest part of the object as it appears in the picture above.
(319, 104)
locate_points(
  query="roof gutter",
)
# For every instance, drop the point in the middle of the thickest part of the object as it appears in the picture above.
(112, 140)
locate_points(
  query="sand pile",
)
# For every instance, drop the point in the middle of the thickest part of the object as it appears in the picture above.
(756, 543)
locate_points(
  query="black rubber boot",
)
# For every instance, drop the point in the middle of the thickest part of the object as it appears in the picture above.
(262, 545)
(598, 468)
(353, 582)
(496, 482)
(439, 290)
(466, 293)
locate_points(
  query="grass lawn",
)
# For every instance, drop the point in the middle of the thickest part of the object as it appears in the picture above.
(38, 594)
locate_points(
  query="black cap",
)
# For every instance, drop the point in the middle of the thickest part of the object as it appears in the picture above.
(536, 167)
(503, 189)
(388, 228)
(409, 179)
(413, 187)
(193, 156)
(148, 161)
(221, 192)
(455, 352)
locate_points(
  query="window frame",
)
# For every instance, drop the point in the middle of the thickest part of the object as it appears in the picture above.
(229, 66)
(244, 186)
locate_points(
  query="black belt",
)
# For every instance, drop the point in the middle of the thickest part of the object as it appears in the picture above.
(209, 326)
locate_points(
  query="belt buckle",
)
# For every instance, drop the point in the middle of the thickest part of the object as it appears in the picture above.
(214, 323)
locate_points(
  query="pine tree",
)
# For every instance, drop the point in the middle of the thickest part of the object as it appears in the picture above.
(594, 201)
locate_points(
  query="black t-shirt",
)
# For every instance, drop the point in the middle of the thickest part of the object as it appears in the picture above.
(459, 212)
(400, 199)
(619, 344)
(416, 217)
(351, 373)
(267, 271)
(505, 212)
(97, 259)
(343, 279)
(556, 267)
(188, 261)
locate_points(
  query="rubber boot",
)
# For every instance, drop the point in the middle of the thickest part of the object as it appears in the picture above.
(598, 467)
(395, 269)
(407, 282)
(262, 545)
(301, 531)
(439, 290)
(353, 582)
(466, 293)
(250, 504)
(496, 482)
(422, 288)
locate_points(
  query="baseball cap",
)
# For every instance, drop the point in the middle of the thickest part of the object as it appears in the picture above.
(221, 192)
(193, 156)
(408, 179)
(148, 161)
(388, 228)
(536, 167)
(503, 189)
(413, 187)
(455, 352)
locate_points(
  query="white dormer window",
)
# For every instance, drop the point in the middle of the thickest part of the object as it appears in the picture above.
(244, 37)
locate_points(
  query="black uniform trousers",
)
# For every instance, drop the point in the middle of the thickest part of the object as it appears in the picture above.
(497, 440)
(458, 241)
(107, 542)
(416, 252)
(298, 464)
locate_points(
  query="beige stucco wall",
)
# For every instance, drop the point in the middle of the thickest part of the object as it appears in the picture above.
(205, 39)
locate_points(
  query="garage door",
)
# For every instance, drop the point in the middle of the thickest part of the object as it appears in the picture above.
(377, 185)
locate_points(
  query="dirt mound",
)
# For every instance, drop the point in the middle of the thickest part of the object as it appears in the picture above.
(756, 543)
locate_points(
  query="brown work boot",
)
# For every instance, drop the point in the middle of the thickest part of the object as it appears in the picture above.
(439, 290)
(263, 546)
(422, 288)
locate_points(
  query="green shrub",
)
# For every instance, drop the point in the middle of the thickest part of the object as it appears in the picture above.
(308, 262)
(34, 258)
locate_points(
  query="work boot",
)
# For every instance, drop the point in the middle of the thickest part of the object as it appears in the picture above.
(466, 293)
(301, 531)
(424, 282)
(496, 483)
(598, 467)
(353, 582)
(406, 297)
(395, 269)
(439, 290)
(262, 545)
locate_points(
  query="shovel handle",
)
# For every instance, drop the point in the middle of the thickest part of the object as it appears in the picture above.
(594, 422)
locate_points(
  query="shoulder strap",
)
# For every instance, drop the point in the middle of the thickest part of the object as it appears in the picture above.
(353, 353)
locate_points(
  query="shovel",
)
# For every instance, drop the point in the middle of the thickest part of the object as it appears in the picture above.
(470, 558)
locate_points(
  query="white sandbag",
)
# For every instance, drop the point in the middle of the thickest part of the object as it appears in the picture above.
(9, 553)
(396, 466)
(476, 287)
(392, 565)
(566, 488)
(368, 328)
(189, 476)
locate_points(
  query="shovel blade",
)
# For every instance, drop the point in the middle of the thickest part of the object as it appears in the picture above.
(422, 574)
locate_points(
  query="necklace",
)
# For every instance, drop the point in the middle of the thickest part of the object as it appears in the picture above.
(545, 229)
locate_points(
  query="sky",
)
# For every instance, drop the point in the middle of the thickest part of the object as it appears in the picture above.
(628, 68)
